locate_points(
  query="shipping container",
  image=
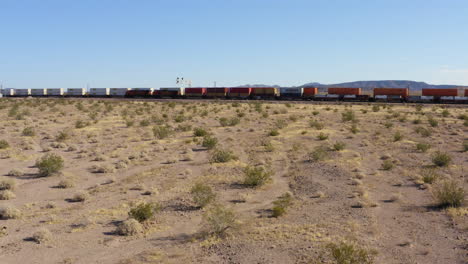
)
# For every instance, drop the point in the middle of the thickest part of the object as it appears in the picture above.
(309, 92)
(54, 91)
(264, 92)
(240, 92)
(39, 92)
(344, 91)
(291, 92)
(195, 92)
(118, 92)
(466, 92)
(8, 92)
(99, 92)
(440, 92)
(76, 92)
(217, 92)
(22, 92)
(171, 92)
(139, 92)
(401, 92)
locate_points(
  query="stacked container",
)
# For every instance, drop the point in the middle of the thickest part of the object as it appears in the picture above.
(99, 92)
(195, 92)
(118, 92)
(139, 92)
(76, 92)
(22, 92)
(309, 92)
(171, 92)
(391, 93)
(344, 91)
(264, 92)
(220, 92)
(240, 92)
(54, 91)
(39, 92)
(289, 92)
(440, 92)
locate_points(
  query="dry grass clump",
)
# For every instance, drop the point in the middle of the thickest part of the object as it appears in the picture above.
(256, 176)
(28, 132)
(129, 227)
(7, 184)
(350, 253)
(15, 173)
(449, 193)
(80, 196)
(429, 175)
(388, 165)
(222, 156)
(7, 195)
(339, 146)
(9, 213)
(281, 204)
(102, 169)
(202, 194)
(66, 183)
(218, 219)
(42, 236)
(423, 147)
(209, 142)
(319, 153)
(441, 159)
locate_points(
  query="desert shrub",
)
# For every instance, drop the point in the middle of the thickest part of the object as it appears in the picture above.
(7, 184)
(9, 213)
(423, 146)
(81, 124)
(423, 131)
(66, 183)
(350, 253)
(256, 176)
(218, 219)
(80, 196)
(144, 211)
(338, 146)
(387, 165)
(316, 124)
(42, 236)
(268, 146)
(7, 195)
(49, 164)
(222, 156)
(441, 159)
(348, 115)
(223, 121)
(15, 173)
(281, 204)
(129, 123)
(209, 142)
(433, 122)
(161, 132)
(315, 112)
(397, 136)
(354, 129)
(4, 144)
(28, 132)
(129, 227)
(280, 124)
(273, 133)
(322, 136)
(63, 135)
(375, 108)
(319, 153)
(145, 122)
(445, 113)
(449, 193)
(417, 121)
(199, 132)
(202, 194)
(429, 175)
(388, 124)
(465, 146)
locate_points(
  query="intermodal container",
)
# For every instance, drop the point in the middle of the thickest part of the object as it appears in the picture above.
(118, 92)
(240, 92)
(439, 92)
(403, 92)
(217, 92)
(54, 91)
(291, 91)
(76, 91)
(99, 92)
(8, 92)
(466, 92)
(39, 92)
(171, 91)
(22, 92)
(195, 92)
(264, 91)
(310, 91)
(139, 92)
(344, 91)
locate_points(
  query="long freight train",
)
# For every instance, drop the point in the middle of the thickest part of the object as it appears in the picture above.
(458, 96)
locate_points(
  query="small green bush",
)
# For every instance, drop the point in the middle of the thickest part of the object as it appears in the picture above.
(223, 121)
(429, 175)
(144, 211)
(281, 204)
(388, 165)
(49, 164)
(423, 147)
(338, 146)
(319, 153)
(322, 136)
(423, 131)
(348, 115)
(465, 146)
(28, 132)
(63, 135)
(222, 156)
(433, 122)
(218, 219)
(202, 194)
(199, 132)
(375, 108)
(316, 124)
(161, 132)
(441, 159)
(449, 193)
(397, 136)
(273, 133)
(256, 176)
(350, 253)
(81, 124)
(209, 142)
(4, 144)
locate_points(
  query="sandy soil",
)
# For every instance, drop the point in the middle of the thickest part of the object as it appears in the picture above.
(346, 196)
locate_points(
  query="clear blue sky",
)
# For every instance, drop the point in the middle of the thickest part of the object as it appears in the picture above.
(148, 43)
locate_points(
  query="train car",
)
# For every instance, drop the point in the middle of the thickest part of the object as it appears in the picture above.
(22, 92)
(309, 93)
(348, 93)
(264, 93)
(139, 93)
(441, 95)
(240, 92)
(99, 92)
(55, 92)
(391, 94)
(217, 92)
(195, 92)
(8, 92)
(289, 93)
(171, 92)
(118, 92)
(39, 92)
(76, 92)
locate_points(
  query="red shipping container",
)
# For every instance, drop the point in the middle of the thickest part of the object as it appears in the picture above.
(403, 92)
(132, 93)
(344, 91)
(466, 92)
(439, 92)
(195, 91)
(217, 92)
(310, 91)
(240, 92)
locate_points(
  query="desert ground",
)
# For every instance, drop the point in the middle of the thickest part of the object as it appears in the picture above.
(120, 181)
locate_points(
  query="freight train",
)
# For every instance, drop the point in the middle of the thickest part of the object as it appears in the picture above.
(458, 96)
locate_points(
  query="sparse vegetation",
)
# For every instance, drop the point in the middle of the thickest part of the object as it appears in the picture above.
(319, 153)
(441, 159)
(144, 211)
(218, 219)
(281, 204)
(49, 164)
(222, 156)
(202, 194)
(161, 132)
(256, 176)
(388, 165)
(350, 253)
(423, 147)
(339, 146)
(130, 227)
(449, 193)
(209, 142)
(4, 144)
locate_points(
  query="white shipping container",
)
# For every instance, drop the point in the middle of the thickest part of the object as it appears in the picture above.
(99, 91)
(54, 91)
(76, 91)
(118, 91)
(22, 92)
(39, 92)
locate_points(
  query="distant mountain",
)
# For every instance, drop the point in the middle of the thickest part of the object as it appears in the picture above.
(367, 85)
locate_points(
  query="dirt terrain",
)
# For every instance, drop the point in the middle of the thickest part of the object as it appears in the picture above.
(367, 178)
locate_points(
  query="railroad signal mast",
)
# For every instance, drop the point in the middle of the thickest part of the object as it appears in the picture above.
(183, 82)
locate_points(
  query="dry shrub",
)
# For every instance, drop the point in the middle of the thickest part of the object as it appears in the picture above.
(218, 219)
(202, 194)
(42, 236)
(130, 227)
(7, 195)
(7, 184)
(15, 173)
(9, 213)
(49, 164)
(80, 196)
(449, 193)
(66, 183)
(351, 253)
